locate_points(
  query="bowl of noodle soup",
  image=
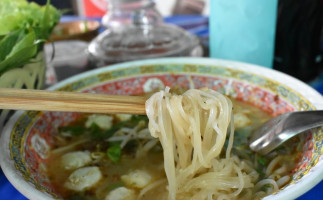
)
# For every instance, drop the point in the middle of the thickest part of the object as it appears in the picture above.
(193, 143)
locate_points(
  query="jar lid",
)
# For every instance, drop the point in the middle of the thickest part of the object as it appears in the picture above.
(139, 40)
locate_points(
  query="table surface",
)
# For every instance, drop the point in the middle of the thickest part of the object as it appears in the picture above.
(200, 28)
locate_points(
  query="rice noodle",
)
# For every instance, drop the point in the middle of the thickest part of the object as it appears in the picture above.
(272, 165)
(283, 181)
(150, 186)
(192, 129)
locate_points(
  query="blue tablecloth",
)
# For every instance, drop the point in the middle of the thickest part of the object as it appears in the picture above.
(7, 191)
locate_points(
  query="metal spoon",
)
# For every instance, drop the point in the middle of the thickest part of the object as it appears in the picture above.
(281, 128)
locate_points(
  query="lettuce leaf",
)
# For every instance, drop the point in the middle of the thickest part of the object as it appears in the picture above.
(21, 52)
(19, 14)
(23, 27)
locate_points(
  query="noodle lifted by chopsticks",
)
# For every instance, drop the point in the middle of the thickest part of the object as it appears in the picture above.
(192, 129)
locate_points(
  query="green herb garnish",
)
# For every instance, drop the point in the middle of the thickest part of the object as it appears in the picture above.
(74, 129)
(114, 153)
(97, 133)
(262, 161)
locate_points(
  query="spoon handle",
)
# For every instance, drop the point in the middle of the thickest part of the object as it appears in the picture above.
(301, 121)
(281, 128)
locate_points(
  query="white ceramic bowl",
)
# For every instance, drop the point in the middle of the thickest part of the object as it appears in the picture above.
(25, 140)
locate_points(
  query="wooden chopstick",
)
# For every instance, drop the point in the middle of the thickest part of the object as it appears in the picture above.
(44, 100)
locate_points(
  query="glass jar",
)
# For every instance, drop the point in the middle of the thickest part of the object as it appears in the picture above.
(135, 30)
(120, 12)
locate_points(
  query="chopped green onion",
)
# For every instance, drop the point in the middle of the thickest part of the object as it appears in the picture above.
(262, 161)
(74, 129)
(97, 133)
(114, 153)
